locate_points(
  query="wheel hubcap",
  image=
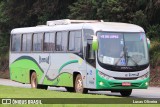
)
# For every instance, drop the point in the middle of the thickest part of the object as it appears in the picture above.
(34, 82)
(79, 85)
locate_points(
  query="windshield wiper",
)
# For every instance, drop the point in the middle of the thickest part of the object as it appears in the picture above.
(119, 59)
(133, 60)
(123, 55)
(128, 57)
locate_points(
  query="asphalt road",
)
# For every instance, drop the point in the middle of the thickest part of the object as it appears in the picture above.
(151, 92)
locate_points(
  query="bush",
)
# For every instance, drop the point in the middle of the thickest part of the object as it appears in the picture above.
(155, 53)
(153, 32)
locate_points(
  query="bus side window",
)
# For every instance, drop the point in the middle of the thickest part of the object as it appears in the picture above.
(37, 42)
(49, 42)
(26, 42)
(61, 41)
(16, 43)
(75, 41)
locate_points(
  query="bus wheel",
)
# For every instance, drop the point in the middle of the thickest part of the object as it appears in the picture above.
(33, 80)
(126, 93)
(79, 85)
(70, 89)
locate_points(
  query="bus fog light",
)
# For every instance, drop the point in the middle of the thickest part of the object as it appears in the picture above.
(100, 83)
(146, 83)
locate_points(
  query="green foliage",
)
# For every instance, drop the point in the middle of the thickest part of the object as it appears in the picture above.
(152, 12)
(140, 18)
(83, 9)
(155, 53)
(109, 10)
(154, 32)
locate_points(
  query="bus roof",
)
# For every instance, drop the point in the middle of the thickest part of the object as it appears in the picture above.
(97, 26)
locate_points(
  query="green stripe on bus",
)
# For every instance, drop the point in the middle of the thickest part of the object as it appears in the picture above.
(67, 63)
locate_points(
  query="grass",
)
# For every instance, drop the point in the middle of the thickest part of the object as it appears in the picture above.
(15, 92)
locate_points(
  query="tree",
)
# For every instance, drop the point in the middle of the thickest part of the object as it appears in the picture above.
(83, 9)
(153, 11)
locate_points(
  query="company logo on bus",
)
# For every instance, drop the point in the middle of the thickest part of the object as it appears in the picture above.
(126, 68)
(44, 60)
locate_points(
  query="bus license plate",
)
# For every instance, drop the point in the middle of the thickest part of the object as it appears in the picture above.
(126, 84)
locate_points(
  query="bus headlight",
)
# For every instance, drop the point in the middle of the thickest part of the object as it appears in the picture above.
(144, 76)
(101, 74)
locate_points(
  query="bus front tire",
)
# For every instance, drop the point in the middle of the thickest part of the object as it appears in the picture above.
(79, 85)
(126, 93)
(34, 82)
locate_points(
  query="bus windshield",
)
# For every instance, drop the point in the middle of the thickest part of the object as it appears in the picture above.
(122, 49)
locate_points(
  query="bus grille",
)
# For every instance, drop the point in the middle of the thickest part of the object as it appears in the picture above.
(120, 85)
(117, 78)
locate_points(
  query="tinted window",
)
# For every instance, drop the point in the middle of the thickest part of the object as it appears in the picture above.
(16, 42)
(37, 42)
(26, 45)
(61, 41)
(24, 42)
(64, 40)
(75, 41)
(29, 42)
(87, 34)
(49, 42)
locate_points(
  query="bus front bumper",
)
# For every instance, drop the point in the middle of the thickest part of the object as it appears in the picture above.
(102, 83)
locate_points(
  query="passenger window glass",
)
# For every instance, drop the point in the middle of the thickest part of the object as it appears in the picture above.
(64, 41)
(61, 41)
(37, 42)
(26, 42)
(49, 42)
(29, 42)
(75, 41)
(16, 42)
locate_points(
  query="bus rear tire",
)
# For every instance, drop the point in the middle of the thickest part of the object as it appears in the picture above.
(126, 93)
(79, 85)
(34, 82)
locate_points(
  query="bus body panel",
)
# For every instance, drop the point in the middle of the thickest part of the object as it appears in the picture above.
(57, 68)
(50, 70)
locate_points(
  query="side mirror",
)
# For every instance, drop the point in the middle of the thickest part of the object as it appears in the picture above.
(148, 43)
(94, 43)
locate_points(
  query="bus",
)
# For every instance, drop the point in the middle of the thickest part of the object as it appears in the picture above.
(81, 55)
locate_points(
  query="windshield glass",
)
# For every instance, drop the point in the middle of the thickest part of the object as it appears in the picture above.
(122, 49)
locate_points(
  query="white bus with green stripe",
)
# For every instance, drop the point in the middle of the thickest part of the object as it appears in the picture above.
(81, 55)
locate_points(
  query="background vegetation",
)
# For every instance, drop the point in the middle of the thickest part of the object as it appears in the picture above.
(24, 13)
